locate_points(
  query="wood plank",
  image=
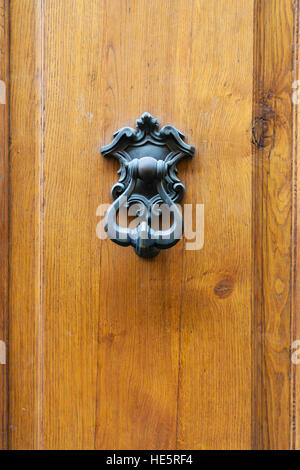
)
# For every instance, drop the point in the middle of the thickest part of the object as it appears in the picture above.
(272, 217)
(25, 276)
(214, 410)
(73, 184)
(295, 388)
(118, 318)
(4, 131)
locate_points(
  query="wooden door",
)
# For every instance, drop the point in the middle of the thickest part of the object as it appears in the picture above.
(189, 350)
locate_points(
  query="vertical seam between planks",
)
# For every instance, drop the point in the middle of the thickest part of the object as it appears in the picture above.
(294, 234)
(5, 440)
(7, 12)
(258, 424)
(40, 212)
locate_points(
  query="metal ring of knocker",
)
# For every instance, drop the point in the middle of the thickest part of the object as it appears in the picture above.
(148, 171)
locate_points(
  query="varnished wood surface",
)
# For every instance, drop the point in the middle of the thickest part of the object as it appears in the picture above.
(190, 349)
(295, 391)
(272, 218)
(214, 402)
(4, 74)
(26, 326)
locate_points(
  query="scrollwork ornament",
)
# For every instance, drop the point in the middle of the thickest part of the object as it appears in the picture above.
(148, 160)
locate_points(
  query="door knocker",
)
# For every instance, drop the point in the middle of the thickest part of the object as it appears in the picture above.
(148, 183)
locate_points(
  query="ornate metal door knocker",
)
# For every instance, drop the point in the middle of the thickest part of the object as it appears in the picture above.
(148, 182)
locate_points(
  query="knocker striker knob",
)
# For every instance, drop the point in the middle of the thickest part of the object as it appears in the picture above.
(148, 176)
(150, 169)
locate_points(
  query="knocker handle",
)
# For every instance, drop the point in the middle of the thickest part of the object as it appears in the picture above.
(148, 171)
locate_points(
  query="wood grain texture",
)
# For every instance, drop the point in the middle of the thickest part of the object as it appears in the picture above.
(4, 126)
(120, 319)
(25, 287)
(295, 389)
(190, 349)
(110, 334)
(272, 214)
(214, 403)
